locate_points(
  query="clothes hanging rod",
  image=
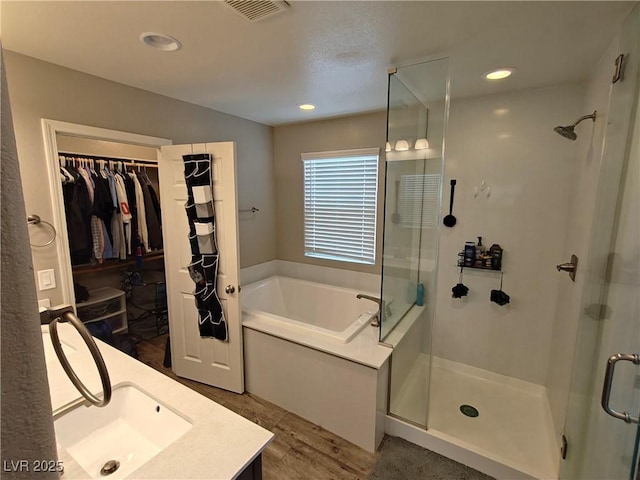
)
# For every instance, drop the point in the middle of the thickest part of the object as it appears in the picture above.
(152, 163)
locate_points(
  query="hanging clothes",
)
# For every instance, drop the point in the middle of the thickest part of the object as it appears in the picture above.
(117, 226)
(96, 228)
(102, 201)
(134, 240)
(141, 217)
(77, 207)
(155, 199)
(125, 214)
(110, 213)
(154, 226)
(103, 210)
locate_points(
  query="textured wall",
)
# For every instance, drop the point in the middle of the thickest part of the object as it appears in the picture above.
(27, 425)
(44, 90)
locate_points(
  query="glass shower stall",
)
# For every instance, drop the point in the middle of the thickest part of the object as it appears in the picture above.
(416, 122)
(434, 386)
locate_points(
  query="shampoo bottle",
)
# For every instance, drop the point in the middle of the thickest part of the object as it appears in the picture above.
(420, 295)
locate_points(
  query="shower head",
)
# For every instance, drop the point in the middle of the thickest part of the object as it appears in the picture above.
(568, 131)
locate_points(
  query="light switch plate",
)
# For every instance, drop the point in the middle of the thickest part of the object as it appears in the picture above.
(46, 279)
(44, 303)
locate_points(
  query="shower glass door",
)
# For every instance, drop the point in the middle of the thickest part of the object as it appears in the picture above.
(403, 209)
(417, 113)
(599, 445)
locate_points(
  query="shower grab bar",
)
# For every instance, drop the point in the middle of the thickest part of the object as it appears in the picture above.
(69, 316)
(608, 381)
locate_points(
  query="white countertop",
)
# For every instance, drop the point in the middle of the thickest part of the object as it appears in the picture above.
(220, 443)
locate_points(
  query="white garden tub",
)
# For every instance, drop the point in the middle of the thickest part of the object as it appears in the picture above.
(315, 309)
(309, 348)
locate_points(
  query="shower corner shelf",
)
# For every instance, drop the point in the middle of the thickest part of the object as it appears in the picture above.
(461, 265)
(486, 269)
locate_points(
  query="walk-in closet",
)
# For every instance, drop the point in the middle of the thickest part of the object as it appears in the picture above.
(114, 225)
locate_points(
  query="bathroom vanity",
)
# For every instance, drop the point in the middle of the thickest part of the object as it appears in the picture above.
(154, 427)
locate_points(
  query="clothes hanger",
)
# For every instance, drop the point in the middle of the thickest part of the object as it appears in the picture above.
(63, 168)
(146, 176)
(103, 168)
(92, 167)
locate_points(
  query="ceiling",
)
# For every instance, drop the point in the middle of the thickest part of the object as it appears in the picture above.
(332, 54)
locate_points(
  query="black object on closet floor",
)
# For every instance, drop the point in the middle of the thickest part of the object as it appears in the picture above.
(147, 310)
(124, 342)
(167, 353)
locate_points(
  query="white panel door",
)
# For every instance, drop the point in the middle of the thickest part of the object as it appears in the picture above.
(205, 360)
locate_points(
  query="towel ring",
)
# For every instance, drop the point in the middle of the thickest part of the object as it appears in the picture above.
(36, 220)
(95, 353)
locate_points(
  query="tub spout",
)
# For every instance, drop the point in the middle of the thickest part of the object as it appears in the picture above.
(369, 297)
(375, 320)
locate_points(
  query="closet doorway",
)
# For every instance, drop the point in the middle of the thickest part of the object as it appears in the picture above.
(116, 290)
(215, 361)
(51, 130)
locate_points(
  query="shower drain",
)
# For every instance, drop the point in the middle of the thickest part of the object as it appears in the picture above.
(469, 411)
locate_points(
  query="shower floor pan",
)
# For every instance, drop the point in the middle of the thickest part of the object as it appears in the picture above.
(513, 427)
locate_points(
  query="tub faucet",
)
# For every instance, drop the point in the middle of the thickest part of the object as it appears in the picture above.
(375, 320)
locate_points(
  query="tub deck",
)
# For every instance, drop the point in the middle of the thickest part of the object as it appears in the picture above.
(357, 341)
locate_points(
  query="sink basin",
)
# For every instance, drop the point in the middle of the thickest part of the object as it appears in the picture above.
(132, 429)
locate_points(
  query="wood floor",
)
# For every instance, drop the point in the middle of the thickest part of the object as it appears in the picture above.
(300, 449)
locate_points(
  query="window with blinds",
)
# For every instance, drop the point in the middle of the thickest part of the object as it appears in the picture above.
(418, 200)
(340, 198)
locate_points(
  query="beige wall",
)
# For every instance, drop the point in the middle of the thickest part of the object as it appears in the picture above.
(358, 131)
(43, 90)
(101, 148)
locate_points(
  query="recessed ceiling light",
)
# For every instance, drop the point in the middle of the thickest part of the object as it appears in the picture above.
(307, 106)
(499, 73)
(160, 41)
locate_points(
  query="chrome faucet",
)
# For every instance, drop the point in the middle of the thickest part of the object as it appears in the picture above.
(375, 320)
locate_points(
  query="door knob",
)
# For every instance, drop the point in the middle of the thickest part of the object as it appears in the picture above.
(230, 289)
(569, 267)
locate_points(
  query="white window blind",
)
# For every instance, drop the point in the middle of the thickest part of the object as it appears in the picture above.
(418, 200)
(340, 198)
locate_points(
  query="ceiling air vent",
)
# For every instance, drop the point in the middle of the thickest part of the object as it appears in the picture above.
(254, 10)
